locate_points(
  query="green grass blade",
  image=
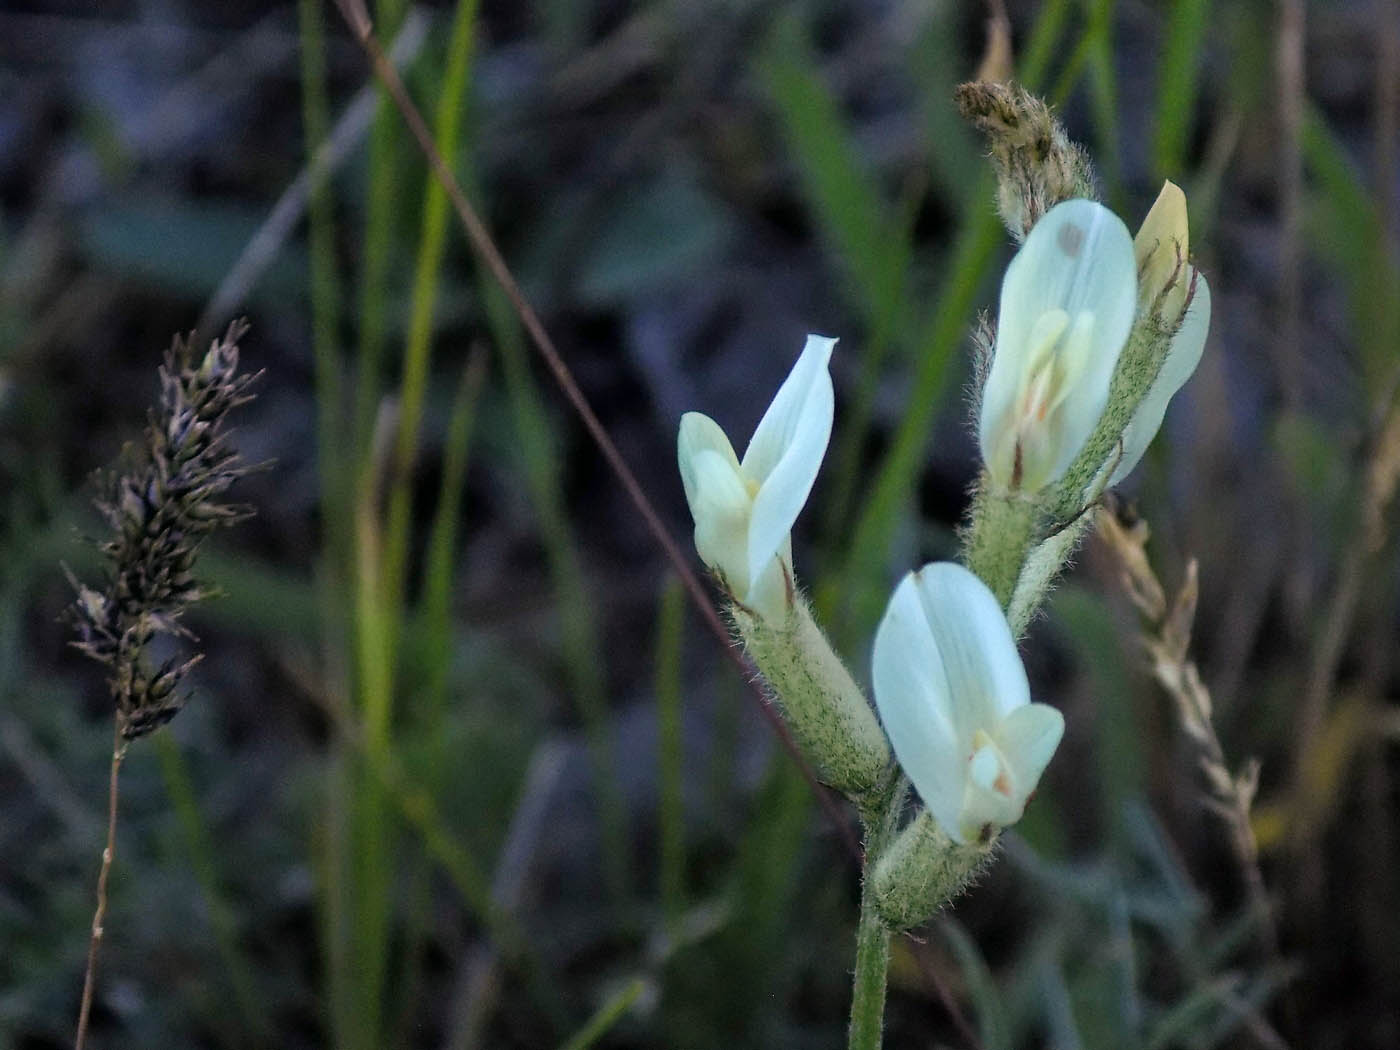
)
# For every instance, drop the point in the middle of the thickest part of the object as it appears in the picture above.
(1103, 95)
(607, 1016)
(854, 220)
(670, 634)
(430, 712)
(582, 651)
(1178, 84)
(252, 1029)
(332, 849)
(1044, 43)
(867, 565)
(872, 245)
(438, 572)
(325, 280)
(1119, 734)
(993, 1024)
(1345, 226)
(431, 244)
(383, 189)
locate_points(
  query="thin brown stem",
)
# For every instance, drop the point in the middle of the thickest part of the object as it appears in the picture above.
(485, 248)
(100, 912)
(1288, 67)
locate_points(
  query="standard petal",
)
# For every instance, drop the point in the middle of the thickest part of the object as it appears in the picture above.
(911, 694)
(786, 452)
(1077, 259)
(1182, 358)
(802, 395)
(986, 678)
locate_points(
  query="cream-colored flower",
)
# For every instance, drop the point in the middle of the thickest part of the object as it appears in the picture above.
(1067, 305)
(952, 693)
(744, 510)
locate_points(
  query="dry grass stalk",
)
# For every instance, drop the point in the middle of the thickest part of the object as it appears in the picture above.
(1167, 639)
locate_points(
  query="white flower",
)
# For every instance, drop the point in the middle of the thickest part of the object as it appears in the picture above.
(744, 510)
(953, 695)
(1067, 306)
(1183, 356)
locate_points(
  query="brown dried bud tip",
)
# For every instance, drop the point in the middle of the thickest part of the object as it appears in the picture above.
(160, 505)
(1037, 165)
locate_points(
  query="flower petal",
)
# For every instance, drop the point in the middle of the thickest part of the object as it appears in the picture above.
(787, 449)
(1161, 248)
(798, 398)
(1028, 738)
(911, 694)
(1182, 358)
(989, 798)
(986, 679)
(1077, 259)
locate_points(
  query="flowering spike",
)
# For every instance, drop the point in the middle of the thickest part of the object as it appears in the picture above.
(744, 510)
(1067, 306)
(953, 695)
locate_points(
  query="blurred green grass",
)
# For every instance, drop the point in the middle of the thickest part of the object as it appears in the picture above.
(319, 853)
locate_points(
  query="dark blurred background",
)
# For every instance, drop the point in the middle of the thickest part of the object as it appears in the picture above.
(524, 786)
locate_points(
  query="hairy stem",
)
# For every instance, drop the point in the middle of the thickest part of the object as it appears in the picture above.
(999, 539)
(872, 965)
(100, 912)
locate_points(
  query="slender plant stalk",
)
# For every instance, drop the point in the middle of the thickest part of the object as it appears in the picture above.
(100, 912)
(872, 965)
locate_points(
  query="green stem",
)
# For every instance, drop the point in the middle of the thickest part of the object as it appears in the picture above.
(999, 540)
(872, 966)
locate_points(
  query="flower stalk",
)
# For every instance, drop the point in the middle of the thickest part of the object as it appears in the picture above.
(160, 506)
(827, 712)
(1096, 331)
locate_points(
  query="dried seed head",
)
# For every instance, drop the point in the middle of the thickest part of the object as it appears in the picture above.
(1037, 165)
(161, 503)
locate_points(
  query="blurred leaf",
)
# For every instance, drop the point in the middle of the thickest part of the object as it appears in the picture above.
(1324, 478)
(1184, 1022)
(1305, 814)
(656, 235)
(1345, 227)
(993, 1024)
(853, 218)
(1090, 631)
(186, 248)
(670, 744)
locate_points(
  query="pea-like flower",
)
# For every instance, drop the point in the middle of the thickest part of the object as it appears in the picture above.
(1067, 306)
(744, 510)
(1174, 295)
(952, 693)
